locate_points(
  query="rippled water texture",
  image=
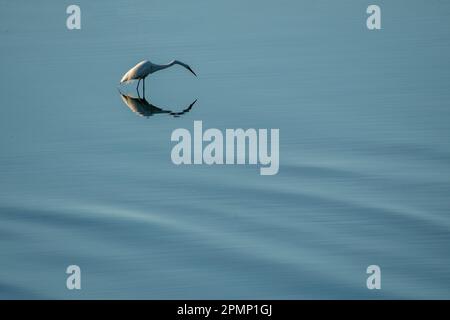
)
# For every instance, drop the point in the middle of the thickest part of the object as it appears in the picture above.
(364, 150)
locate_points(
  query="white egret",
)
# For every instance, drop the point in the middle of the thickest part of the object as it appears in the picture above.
(144, 68)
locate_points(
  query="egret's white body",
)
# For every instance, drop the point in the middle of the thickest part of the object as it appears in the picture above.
(144, 68)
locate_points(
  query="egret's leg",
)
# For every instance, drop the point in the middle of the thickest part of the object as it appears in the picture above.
(137, 88)
(143, 86)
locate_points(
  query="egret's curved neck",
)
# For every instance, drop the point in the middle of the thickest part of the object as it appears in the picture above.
(157, 67)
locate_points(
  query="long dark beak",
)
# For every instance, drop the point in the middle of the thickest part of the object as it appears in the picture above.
(189, 68)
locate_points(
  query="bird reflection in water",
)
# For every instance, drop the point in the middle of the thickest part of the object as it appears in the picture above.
(145, 109)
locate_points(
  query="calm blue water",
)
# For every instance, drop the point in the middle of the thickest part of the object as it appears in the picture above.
(364, 121)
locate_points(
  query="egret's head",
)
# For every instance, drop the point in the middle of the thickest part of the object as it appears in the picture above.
(185, 65)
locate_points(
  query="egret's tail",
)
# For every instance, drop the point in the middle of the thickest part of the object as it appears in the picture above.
(124, 78)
